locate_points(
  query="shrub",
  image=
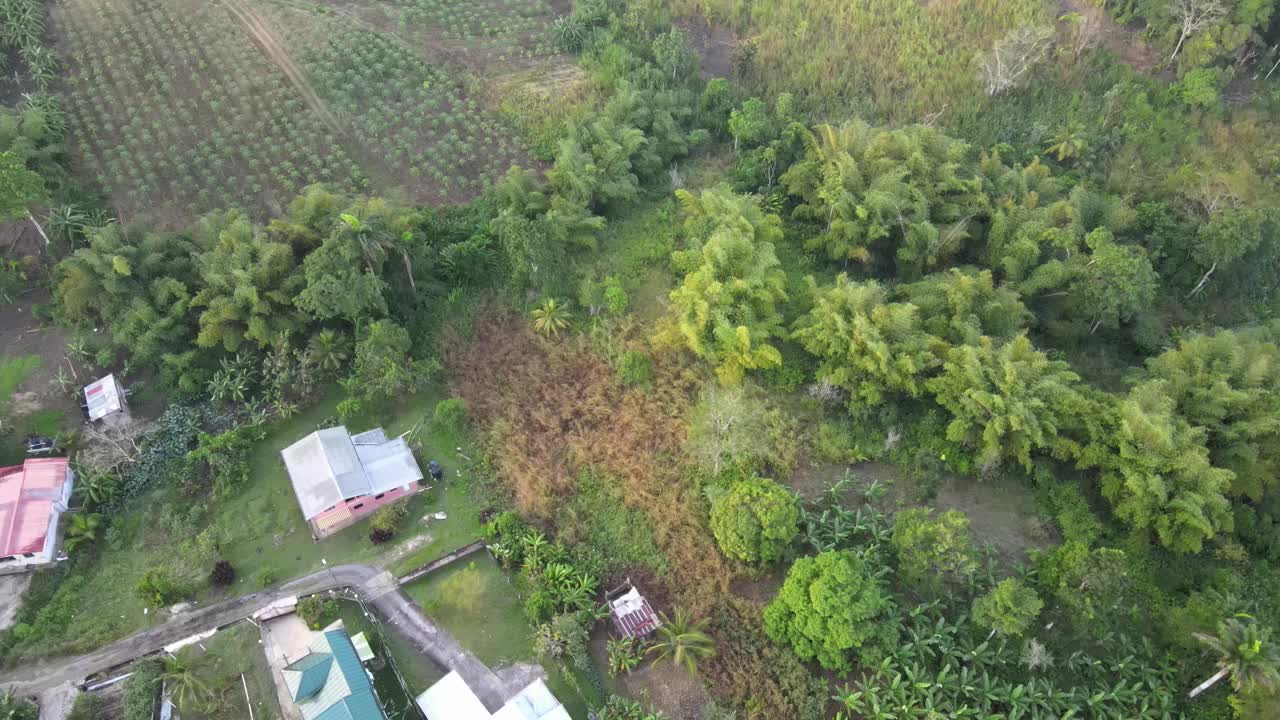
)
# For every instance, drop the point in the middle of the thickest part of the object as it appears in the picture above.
(317, 611)
(833, 608)
(157, 588)
(625, 655)
(265, 576)
(142, 690)
(223, 574)
(386, 521)
(1072, 513)
(755, 521)
(1009, 608)
(837, 444)
(450, 416)
(635, 368)
(85, 707)
(932, 551)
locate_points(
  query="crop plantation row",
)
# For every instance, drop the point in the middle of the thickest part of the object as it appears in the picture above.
(182, 107)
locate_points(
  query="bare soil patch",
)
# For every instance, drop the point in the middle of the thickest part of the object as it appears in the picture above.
(1120, 39)
(663, 686)
(713, 43)
(1002, 513)
(21, 333)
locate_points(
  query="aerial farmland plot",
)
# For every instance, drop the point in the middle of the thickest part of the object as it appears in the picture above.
(180, 107)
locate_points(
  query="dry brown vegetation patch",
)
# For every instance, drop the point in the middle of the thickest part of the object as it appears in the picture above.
(554, 407)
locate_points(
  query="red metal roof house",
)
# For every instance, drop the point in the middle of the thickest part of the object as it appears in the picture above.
(33, 497)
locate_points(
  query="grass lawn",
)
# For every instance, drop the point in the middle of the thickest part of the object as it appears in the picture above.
(14, 370)
(261, 531)
(219, 665)
(475, 600)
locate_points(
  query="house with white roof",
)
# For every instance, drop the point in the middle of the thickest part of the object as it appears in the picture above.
(340, 478)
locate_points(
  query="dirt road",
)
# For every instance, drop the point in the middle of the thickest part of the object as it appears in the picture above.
(378, 588)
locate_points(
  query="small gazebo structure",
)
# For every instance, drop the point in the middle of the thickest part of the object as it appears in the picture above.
(632, 615)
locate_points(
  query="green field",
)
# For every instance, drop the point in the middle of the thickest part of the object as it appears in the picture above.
(178, 108)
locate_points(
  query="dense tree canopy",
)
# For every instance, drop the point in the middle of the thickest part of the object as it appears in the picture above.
(727, 306)
(833, 608)
(1006, 400)
(755, 520)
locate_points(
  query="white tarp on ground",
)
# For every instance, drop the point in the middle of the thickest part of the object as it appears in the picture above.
(103, 397)
(452, 699)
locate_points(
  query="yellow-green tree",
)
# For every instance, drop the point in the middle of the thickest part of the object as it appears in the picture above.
(1006, 400)
(1160, 477)
(871, 347)
(726, 308)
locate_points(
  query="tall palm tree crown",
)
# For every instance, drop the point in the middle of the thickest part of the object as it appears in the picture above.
(1245, 652)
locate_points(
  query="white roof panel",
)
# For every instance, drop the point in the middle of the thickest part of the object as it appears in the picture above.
(389, 465)
(452, 699)
(535, 702)
(103, 397)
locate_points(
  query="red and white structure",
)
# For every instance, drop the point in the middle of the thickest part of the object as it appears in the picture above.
(102, 398)
(33, 497)
(340, 478)
(632, 615)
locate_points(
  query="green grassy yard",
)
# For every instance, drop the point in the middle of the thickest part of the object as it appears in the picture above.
(418, 671)
(227, 656)
(14, 370)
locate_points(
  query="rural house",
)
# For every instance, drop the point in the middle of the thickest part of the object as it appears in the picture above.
(33, 497)
(340, 478)
(330, 682)
(452, 699)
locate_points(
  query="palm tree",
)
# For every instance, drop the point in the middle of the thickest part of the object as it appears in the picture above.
(13, 707)
(683, 640)
(1245, 652)
(550, 318)
(82, 529)
(1069, 142)
(186, 688)
(96, 488)
(329, 350)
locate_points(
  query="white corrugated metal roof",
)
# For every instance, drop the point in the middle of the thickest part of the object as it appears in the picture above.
(389, 465)
(103, 397)
(452, 699)
(327, 467)
(535, 702)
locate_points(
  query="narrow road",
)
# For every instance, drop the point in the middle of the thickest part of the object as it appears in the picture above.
(378, 588)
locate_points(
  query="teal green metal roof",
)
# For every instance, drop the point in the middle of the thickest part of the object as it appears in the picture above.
(360, 703)
(315, 672)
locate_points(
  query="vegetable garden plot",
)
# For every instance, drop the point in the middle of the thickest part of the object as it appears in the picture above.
(183, 107)
(506, 30)
(417, 126)
(174, 107)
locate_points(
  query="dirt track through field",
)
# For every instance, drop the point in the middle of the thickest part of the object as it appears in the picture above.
(266, 41)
